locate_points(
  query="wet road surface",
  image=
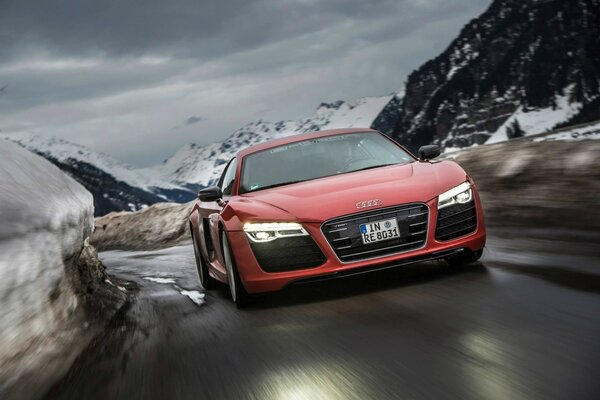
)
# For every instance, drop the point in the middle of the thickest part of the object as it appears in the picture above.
(524, 323)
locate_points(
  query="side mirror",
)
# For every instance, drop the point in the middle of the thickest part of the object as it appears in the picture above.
(429, 152)
(211, 193)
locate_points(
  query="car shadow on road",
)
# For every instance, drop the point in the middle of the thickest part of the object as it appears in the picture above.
(362, 284)
(570, 279)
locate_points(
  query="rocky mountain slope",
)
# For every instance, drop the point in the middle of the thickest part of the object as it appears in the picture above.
(536, 61)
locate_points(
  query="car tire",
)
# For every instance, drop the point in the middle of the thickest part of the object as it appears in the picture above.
(236, 287)
(207, 281)
(468, 257)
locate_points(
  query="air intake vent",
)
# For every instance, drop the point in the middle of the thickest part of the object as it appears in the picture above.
(456, 221)
(288, 254)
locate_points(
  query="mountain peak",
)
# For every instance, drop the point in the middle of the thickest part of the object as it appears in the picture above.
(203, 164)
(333, 105)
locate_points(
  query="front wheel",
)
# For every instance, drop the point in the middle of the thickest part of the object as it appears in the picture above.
(236, 287)
(206, 280)
(464, 259)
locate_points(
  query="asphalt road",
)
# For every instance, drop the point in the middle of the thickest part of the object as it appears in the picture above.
(522, 324)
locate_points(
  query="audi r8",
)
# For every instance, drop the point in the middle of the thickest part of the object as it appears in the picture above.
(329, 204)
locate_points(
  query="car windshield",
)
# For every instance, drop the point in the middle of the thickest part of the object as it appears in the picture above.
(318, 158)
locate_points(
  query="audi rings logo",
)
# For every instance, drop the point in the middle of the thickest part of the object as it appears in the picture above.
(369, 203)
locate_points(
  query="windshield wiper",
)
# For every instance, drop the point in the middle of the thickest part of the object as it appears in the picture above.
(278, 184)
(373, 166)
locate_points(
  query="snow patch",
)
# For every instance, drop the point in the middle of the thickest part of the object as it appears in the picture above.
(159, 280)
(537, 121)
(121, 288)
(194, 295)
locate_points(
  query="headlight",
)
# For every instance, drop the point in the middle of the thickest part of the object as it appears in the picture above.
(457, 195)
(265, 232)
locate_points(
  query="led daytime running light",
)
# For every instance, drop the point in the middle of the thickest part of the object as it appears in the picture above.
(268, 231)
(457, 195)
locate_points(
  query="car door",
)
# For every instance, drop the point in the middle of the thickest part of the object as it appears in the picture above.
(212, 212)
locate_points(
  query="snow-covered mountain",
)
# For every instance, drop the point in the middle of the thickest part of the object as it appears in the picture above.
(202, 165)
(115, 185)
(534, 61)
(63, 151)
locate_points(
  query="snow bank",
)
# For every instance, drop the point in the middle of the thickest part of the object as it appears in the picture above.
(591, 132)
(45, 217)
(546, 184)
(157, 226)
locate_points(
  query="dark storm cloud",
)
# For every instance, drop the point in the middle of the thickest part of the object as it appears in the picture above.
(205, 28)
(187, 31)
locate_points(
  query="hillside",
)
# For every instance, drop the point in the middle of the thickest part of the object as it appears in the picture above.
(534, 61)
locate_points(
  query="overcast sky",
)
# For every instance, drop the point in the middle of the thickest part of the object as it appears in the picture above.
(138, 79)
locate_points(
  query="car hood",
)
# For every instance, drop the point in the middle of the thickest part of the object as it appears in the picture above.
(321, 199)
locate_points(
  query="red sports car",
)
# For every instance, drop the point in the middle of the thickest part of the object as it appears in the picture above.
(329, 204)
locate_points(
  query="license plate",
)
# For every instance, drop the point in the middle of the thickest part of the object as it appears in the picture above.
(378, 231)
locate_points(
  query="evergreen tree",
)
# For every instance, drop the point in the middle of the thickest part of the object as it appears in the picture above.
(514, 130)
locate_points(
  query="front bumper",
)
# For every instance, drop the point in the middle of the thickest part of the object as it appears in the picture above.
(257, 280)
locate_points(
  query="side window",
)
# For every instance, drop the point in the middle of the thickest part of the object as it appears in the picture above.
(228, 178)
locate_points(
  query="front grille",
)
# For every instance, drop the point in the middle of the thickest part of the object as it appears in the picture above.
(455, 221)
(343, 234)
(287, 254)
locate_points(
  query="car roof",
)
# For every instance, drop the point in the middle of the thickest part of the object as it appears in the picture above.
(298, 138)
